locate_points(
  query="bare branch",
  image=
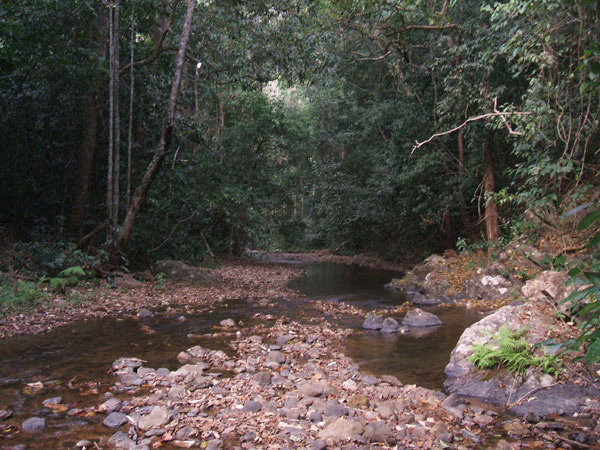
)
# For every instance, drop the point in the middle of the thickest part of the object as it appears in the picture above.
(496, 113)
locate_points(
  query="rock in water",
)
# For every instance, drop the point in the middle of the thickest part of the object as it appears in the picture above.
(390, 325)
(121, 440)
(419, 318)
(34, 424)
(114, 420)
(373, 322)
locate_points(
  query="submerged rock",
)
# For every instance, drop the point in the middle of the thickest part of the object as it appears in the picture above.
(373, 322)
(34, 424)
(419, 318)
(115, 420)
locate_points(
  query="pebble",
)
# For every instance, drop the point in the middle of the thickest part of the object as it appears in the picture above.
(5, 414)
(52, 401)
(121, 440)
(83, 443)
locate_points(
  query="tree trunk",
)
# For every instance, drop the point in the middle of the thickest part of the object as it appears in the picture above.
(491, 211)
(84, 169)
(139, 196)
(117, 124)
(88, 145)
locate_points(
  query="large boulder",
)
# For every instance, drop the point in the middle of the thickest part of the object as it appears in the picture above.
(419, 318)
(533, 391)
(180, 271)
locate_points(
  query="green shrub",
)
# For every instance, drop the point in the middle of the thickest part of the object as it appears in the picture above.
(510, 350)
(585, 299)
(20, 296)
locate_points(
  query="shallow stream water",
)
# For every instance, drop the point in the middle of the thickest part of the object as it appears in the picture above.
(81, 354)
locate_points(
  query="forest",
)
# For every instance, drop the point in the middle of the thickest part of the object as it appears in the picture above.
(293, 126)
(451, 146)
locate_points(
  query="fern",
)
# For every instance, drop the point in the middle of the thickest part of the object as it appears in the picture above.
(509, 349)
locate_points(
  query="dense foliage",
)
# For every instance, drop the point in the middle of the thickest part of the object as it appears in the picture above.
(296, 121)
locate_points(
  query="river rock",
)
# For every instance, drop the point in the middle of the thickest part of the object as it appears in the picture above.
(227, 323)
(419, 318)
(180, 271)
(5, 414)
(126, 281)
(34, 424)
(110, 405)
(276, 356)
(144, 314)
(114, 420)
(158, 417)
(252, 406)
(423, 300)
(373, 322)
(52, 401)
(341, 429)
(379, 432)
(131, 379)
(490, 283)
(390, 325)
(121, 440)
(463, 378)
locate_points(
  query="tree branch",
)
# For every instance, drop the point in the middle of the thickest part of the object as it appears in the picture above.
(496, 113)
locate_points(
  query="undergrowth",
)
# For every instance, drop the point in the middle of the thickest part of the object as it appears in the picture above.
(510, 350)
(20, 296)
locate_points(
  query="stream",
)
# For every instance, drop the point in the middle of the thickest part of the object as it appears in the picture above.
(81, 354)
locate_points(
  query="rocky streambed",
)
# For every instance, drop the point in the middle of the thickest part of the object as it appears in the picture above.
(275, 377)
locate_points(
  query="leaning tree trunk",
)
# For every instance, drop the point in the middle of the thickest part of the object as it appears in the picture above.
(139, 196)
(491, 211)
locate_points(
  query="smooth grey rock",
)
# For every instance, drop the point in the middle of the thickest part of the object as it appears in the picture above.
(83, 443)
(131, 379)
(5, 414)
(469, 435)
(114, 420)
(319, 444)
(379, 432)
(144, 313)
(110, 405)
(373, 322)
(252, 406)
(276, 356)
(186, 433)
(262, 378)
(283, 339)
(336, 410)
(52, 401)
(177, 392)
(390, 325)
(419, 318)
(121, 440)
(227, 323)
(340, 429)
(157, 418)
(34, 424)
(214, 444)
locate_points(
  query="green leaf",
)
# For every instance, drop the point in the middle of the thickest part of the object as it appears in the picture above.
(593, 352)
(588, 220)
